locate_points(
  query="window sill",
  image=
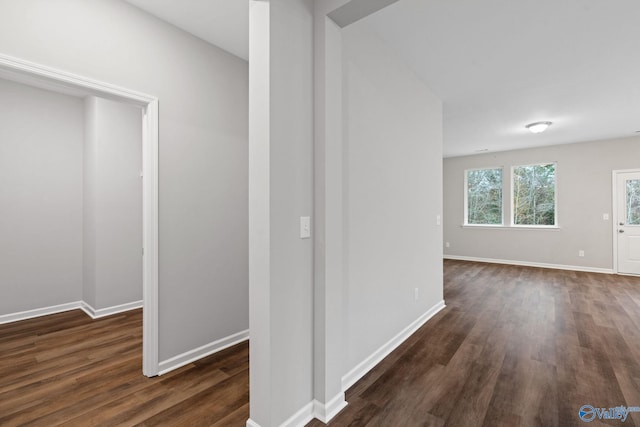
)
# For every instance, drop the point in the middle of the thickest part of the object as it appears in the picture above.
(511, 227)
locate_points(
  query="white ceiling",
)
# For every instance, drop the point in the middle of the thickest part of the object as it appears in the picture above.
(224, 23)
(497, 64)
(501, 64)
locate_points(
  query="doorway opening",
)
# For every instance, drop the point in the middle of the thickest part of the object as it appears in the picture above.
(40, 76)
(626, 221)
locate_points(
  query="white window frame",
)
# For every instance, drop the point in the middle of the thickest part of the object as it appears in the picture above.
(466, 198)
(555, 197)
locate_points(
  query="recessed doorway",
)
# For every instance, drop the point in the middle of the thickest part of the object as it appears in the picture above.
(37, 75)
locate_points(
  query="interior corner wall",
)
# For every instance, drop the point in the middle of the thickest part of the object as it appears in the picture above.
(392, 194)
(203, 151)
(112, 204)
(583, 174)
(89, 192)
(41, 135)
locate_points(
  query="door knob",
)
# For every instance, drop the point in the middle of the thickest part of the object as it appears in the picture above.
(620, 231)
(622, 223)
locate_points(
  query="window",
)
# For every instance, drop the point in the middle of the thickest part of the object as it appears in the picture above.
(534, 195)
(633, 202)
(483, 198)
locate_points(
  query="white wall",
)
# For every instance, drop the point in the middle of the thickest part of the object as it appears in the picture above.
(203, 280)
(393, 193)
(392, 173)
(89, 206)
(584, 195)
(291, 197)
(41, 137)
(281, 191)
(328, 268)
(112, 261)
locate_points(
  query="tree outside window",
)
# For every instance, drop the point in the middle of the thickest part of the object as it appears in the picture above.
(633, 202)
(484, 196)
(534, 195)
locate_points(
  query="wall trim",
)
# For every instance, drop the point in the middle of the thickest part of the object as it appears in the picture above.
(300, 418)
(311, 410)
(532, 264)
(76, 305)
(38, 312)
(326, 411)
(376, 357)
(108, 311)
(203, 351)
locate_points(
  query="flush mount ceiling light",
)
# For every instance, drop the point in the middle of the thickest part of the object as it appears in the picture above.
(538, 127)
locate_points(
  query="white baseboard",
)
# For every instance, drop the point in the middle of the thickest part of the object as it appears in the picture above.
(532, 264)
(102, 312)
(200, 352)
(326, 412)
(90, 311)
(300, 418)
(376, 357)
(310, 411)
(45, 311)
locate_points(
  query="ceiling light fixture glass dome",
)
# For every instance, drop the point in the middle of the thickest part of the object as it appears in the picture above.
(538, 127)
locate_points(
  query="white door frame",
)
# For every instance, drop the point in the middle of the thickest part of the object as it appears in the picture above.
(614, 213)
(62, 81)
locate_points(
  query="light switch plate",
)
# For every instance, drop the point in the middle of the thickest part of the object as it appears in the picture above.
(305, 227)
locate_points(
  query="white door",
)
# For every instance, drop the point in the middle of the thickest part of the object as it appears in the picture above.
(628, 222)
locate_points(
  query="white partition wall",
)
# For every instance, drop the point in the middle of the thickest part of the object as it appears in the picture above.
(359, 149)
(112, 205)
(280, 192)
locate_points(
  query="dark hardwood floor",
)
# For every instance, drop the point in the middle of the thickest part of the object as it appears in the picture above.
(516, 346)
(68, 370)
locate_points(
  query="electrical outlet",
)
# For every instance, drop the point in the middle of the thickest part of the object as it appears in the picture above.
(447, 245)
(605, 217)
(580, 253)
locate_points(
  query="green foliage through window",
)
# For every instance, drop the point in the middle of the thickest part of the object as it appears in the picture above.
(633, 202)
(484, 196)
(534, 194)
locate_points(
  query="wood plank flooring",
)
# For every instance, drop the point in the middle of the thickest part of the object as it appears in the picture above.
(69, 370)
(516, 346)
